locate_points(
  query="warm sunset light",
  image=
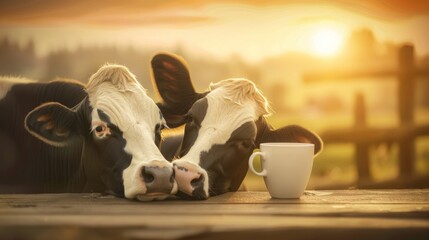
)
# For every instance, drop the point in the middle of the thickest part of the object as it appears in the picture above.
(326, 42)
(149, 106)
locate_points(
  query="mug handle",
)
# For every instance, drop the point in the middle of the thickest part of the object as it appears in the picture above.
(251, 158)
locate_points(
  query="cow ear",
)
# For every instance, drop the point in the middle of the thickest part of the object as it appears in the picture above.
(53, 123)
(172, 81)
(173, 120)
(291, 133)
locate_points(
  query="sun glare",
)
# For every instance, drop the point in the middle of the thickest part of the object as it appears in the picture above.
(326, 42)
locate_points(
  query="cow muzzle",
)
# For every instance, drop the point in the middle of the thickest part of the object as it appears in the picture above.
(154, 181)
(191, 180)
(158, 179)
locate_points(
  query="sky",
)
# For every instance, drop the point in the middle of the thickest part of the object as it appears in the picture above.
(253, 29)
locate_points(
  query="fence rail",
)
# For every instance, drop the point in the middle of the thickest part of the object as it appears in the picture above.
(362, 135)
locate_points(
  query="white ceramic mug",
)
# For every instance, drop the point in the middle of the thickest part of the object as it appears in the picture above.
(286, 167)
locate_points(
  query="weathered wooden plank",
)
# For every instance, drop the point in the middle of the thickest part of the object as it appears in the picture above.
(362, 148)
(230, 221)
(325, 197)
(242, 197)
(353, 75)
(243, 215)
(95, 233)
(405, 205)
(165, 227)
(373, 135)
(328, 76)
(361, 210)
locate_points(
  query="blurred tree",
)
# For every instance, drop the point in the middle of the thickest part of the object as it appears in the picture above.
(16, 60)
(58, 64)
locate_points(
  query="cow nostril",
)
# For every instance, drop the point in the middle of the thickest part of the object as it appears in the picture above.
(147, 176)
(197, 181)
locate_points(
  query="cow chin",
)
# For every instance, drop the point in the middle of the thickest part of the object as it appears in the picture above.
(147, 197)
(139, 192)
(201, 195)
(151, 197)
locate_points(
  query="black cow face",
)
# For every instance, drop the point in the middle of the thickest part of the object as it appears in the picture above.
(222, 128)
(120, 125)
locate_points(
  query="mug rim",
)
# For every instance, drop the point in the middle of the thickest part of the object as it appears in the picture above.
(286, 144)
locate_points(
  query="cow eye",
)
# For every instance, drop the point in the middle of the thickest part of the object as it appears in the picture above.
(190, 119)
(101, 131)
(245, 144)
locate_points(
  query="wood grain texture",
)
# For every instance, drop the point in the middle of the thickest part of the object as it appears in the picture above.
(349, 214)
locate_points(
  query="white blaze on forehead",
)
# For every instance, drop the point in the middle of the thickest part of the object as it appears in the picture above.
(6, 83)
(115, 91)
(231, 103)
(240, 90)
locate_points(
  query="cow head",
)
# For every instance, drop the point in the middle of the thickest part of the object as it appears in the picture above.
(222, 128)
(120, 126)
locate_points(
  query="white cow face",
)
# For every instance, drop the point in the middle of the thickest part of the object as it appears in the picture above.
(121, 127)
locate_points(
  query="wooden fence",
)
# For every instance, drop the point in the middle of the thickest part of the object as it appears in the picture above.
(362, 135)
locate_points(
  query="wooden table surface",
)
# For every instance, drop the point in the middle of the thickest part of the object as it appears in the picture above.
(348, 214)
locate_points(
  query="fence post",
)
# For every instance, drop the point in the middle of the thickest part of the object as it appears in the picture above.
(361, 148)
(406, 86)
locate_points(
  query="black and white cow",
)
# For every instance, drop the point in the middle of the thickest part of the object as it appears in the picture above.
(222, 128)
(101, 137)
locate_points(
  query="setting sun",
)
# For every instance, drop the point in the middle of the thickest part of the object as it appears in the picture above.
(326, 42)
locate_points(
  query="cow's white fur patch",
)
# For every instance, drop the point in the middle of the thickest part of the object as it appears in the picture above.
(240, 90)
(6, 83)
(231, 103)
(134, 113)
